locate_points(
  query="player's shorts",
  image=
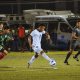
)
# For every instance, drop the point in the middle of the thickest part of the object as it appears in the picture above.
(74, 44)
(37, 49)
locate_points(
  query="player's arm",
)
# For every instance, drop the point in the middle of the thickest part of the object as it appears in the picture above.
(48, 36)
(30, 41)
(74, 35)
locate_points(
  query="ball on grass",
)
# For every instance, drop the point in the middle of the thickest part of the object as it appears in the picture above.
(53, 63)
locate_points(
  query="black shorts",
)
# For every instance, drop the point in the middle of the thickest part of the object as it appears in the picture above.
(74, 44)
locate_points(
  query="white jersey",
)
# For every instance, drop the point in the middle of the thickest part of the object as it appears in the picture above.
(36, 37)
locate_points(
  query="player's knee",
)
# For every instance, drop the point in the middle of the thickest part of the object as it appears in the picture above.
(71, 50)
(36, 55)
(42, 52)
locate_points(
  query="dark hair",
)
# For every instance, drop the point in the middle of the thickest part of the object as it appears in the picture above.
(41, 25)
(6, 27)
(78, 21)
(1, 23)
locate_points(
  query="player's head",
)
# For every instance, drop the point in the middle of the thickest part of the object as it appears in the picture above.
(6, 29)
(78, 24)
(41, 27)
(1, 25)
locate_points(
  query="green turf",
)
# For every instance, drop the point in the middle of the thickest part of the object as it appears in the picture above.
(14, 67)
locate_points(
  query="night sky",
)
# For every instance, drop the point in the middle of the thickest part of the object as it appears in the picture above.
(33, 0)
(17, 6)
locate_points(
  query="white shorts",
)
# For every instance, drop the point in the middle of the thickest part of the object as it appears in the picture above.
(37, 49)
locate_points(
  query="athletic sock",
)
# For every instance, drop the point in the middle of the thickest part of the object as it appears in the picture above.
(32, 60)
(77, 54)
(67, 57)
(46, 57)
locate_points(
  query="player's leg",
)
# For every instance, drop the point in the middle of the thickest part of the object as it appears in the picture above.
(33, 59)
(72, 46)
(52, 62)
(76, 55)
(68, 56)
(45, 56)
(3, 53)
(35, 49)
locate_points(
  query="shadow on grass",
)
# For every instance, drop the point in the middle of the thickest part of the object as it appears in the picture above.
(6, 68)
(78, 65)
(43, 68)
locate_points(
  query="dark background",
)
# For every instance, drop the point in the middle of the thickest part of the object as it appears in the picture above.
(17, 6)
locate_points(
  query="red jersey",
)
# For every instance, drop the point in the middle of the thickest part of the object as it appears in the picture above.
(21, 31)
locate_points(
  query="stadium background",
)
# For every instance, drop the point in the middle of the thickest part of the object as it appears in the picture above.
(14, 65)
(17, 6)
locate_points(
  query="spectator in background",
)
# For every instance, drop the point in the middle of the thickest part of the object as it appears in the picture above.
(8, 39)
(15, 45)
(26, 44)
(21, 35)
(54, 36)
(45, 42)
(1, 28)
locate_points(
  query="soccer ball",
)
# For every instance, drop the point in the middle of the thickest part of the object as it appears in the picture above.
(52, 63)
(1, 55)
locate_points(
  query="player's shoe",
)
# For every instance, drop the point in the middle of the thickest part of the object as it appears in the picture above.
(66, 62)
(76, 58)
(28, 64)
(52, 62)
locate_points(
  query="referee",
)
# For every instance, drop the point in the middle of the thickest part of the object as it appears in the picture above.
(75, 41)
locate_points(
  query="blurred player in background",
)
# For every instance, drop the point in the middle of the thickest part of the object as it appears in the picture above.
(35, 43)
(3, 52)
(74, 43)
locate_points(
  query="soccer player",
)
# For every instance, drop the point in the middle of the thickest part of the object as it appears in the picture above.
(35, 43)
(75, 41)
(3, 52)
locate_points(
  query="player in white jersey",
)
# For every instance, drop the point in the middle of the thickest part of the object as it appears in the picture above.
(35, 43)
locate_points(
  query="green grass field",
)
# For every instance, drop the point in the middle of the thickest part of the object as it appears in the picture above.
(14, 67)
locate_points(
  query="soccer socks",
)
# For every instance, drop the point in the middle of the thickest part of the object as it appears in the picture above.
(43, 54)
(46, 57)
(32, 60)
(77, 54)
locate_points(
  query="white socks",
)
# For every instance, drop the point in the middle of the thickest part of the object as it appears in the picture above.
(32, 60)
(43, 55)
(46, 57)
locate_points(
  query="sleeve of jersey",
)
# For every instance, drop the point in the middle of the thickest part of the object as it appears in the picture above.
(32, 33)
(43, 32)
(74, 30)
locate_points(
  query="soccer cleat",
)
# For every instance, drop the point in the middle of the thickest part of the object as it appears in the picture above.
(76, 58)
(66, 62)
(28, 65)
